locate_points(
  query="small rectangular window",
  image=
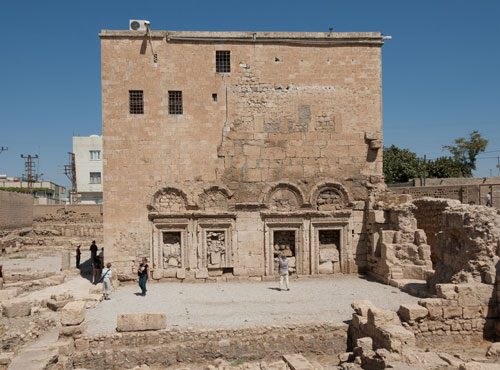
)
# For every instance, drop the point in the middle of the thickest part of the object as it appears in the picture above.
(136, 101)
(95, 155)
(175, 102)
(222, 61)
(95, 177)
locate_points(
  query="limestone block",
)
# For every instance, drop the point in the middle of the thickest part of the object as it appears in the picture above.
(157, 274)
(494, 350)
(56, 305)
(326, 268)
(170, 273)
(380, 317)
(141, 321)
(412, 312)
(446, 291)
(387, 236)
(202, 273)
(8, 293)
(328, 254)
(72, 330)
(6, 358)
(475, 365)
(366, 343)
(396, 337)
(16, 309)
(473, 312)
(73, 313)
(65, 347)
(81, 345)
(475, 294)
(297, 362)
(450, 312)
(376, 144)
(362, 307)
(240, 271)
(376, 216)
(181, 273)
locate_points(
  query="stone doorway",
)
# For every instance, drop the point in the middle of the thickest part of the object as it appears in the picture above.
(329, 251)
(171, 249)
(284, 242)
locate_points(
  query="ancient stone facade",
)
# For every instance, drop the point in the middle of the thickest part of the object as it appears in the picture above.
(276, 152)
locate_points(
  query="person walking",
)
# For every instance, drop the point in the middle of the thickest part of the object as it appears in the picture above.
(78, 256)
(488, 200)
(283, 264)
(2, 277)
(93, 251)
(143, 272)
(106, 278)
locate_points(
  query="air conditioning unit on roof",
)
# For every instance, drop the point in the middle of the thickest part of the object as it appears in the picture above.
(137, 25)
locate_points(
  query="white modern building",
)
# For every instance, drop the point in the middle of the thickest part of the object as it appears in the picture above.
(44, 192)
(88, 164)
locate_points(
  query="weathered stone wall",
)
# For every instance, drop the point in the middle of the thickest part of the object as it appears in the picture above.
(467, 194)
(69, 212)
(16, 210)
(294, 129)
(172, 346)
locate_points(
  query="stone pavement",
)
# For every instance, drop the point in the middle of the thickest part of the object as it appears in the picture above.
(234, 305)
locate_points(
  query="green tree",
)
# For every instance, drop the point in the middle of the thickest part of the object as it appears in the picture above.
(465, 150)
(400, 165)
(444, 167)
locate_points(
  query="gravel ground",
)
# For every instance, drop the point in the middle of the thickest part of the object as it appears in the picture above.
(230, 305)
(51, 264)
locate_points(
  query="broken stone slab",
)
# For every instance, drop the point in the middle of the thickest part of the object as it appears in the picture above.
(396, 337)
(298, 362)
(494, 350)
(73, 313)
(56, 305)
(70, 331)
(6, 358)
(16, 309)
(474, 365)
(141, 321)
(9, 293)
(412, 312)
(475, 294)
(366, 343)
(361, 307)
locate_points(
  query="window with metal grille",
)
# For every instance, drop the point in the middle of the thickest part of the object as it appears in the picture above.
(95, 155)
(222, 61)
(136, 101)
(95, 177)
(175, 102)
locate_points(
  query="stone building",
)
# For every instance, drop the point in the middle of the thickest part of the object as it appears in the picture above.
(223, 149)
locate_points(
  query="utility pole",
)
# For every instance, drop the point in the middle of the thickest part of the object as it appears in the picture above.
(498, 165)
(3, 149)
(29, 167)
(425, 167)
(70, 172)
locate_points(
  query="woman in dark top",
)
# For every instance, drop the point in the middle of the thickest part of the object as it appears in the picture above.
(143, 272)
(2, 277)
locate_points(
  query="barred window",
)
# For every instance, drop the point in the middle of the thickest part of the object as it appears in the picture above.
(222, 61)
(95, 177)
(136, 101)
(95, 155)
(175, 102)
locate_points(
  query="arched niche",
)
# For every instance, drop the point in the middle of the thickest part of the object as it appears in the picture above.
(284, 197)
(168, 199)
(214, 198)
(329, 196)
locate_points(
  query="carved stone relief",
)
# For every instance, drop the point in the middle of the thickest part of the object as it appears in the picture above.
(214, 199)
(216, 248)
(170, 200)
(330, 199)
(172, 249)
(283, 200)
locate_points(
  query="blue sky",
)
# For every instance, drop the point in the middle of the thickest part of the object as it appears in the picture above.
(441, 70)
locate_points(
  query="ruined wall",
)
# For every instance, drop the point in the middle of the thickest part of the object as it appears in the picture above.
(68, 212)
(288, 118)
(16, 210)
(172, 346)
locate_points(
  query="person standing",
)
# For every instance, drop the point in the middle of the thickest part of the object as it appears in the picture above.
(106, 281)
(488, 199)
(78, 256)
(2, 277)
(93, 251)
(283, 264)
(143, 272)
